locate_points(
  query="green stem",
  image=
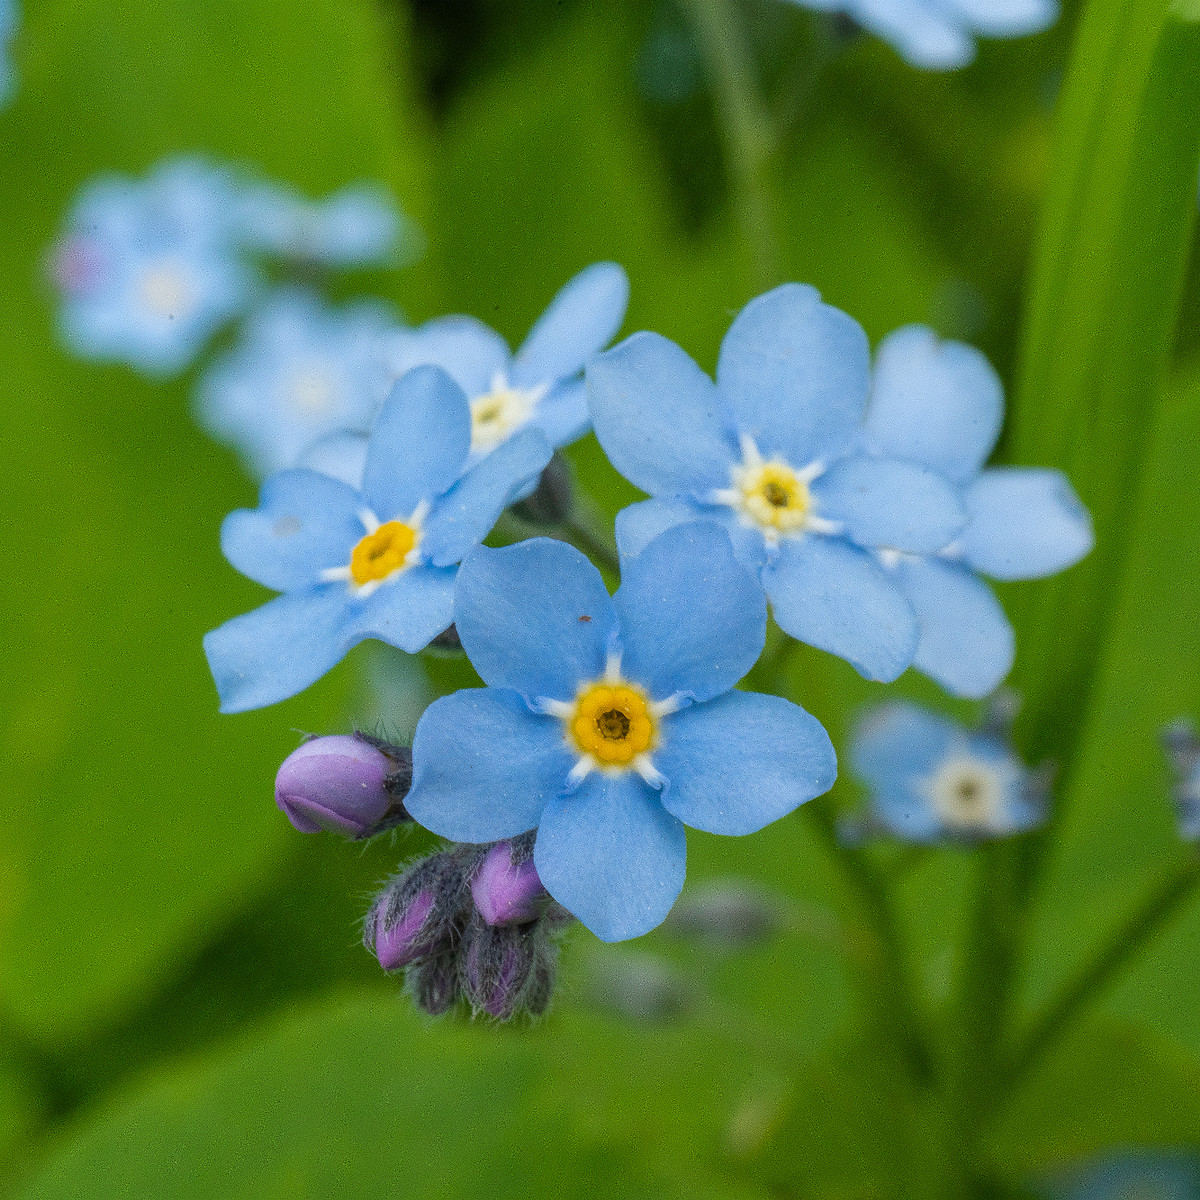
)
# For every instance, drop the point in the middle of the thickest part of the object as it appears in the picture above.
(581, 534)
(746, 128)
(1155, 910)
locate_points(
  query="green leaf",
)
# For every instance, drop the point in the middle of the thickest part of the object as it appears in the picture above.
(140, 817)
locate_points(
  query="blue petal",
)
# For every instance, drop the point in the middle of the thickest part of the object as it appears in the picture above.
(693, 619)
(796, 372)
(342, 456)
(562, 414)
(886, 502)
(534, 617)
(1024, 523)
(580, 321)
(742, 761)
(966, 640)
(926, 35)
(304, 523)
(611, 854)
(836, 597)
(659, 418)
(937, 403)
(464, 516)
(275, 651)
(408, 611)
(1005, 18)
(466, 349)
(639, 524)
(419, 444)
(484, 766)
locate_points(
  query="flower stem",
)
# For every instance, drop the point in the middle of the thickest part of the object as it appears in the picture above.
(746, 127)
(1147, 919)
(582, 534)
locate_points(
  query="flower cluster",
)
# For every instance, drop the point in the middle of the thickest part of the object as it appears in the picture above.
(849, 496)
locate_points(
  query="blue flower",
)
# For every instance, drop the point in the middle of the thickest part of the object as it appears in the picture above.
(147, 269)
(379, 562)
(356, 227)
(9, 20)
(1133, 1175)
(940, 404)
(609, 723)
(771, 451)
(931, 779)
(541, 384)
(301, 372)
(941, 36)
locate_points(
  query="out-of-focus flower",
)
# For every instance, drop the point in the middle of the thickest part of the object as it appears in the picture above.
(1183, 751)
(771, 452)
(941, 404)
(9, 21)
(301, 372)
(609, 723)
(357, 226)
(1133, 1175)
(147, 269)
(932, 779)
(380, 562)
(940, 36)
(541, 384)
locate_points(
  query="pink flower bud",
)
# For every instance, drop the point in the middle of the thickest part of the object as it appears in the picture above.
(334, 783)
(505, 894)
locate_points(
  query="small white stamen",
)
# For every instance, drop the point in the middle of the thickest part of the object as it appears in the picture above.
(369, 519)
(554, 708)
(418, 515)
(334, 574)
(664, 708)
(647, 770)
(612, 667)
(750, 455)
(824, 525)
(814, 470)
(580, 771)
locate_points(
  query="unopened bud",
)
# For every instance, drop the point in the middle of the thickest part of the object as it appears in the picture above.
(507, 893)
(497, 968)
(336, 783)
(408, 935)
(550, 502)
(433, 983)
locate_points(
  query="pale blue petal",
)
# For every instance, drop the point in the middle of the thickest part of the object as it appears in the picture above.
(580, 321)
(534, 617)
(342, 456)
(304, 523)
(796, 372)
(741, 761)
(659, 418)
(419, 444)
(562, 414)
(926, 35)
(464, 516)
(484, 766)
(934, 402)
(612, 855)
(1005, 18)
(275, 651)
(408, 611)
(693, 619)
(887, 502)
(966, 640)
(836, 597)
(466, 349)
(1024, 523)
(639, 524)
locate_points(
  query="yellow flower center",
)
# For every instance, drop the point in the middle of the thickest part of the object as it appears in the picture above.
(382, 552)
(773, 496)
(612, 723)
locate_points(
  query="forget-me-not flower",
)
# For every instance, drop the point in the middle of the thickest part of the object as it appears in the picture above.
(610, 723)
(939, 35)
(932, 779)
(541, 384)
(357, 226)
(941, 404)
(148, 269)
(1133, 1175)
(9, 20)
(377, 562)
(772, 452)
(300, 372)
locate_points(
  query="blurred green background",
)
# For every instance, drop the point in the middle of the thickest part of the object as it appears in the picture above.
(185, 1009)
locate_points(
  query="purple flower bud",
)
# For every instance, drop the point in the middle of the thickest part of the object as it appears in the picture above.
(504, 893)
(497, 968)
(434, 983)
(408, 937)
(335, 783)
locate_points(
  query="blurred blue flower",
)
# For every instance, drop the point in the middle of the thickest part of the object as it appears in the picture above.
(771, 452)
(1133, 1175)
(941, 36)
(932, 779)
(300, 372)
(10, 19)
(147, 269)
(941, 404)
(356, 227)
(541, 384)
(353, 564)
(1183, 752)
(609, 723)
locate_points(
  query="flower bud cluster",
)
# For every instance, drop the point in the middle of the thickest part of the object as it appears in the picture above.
(471, 923)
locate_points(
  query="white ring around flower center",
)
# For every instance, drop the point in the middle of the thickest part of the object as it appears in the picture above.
(968, 793)
(166, 290)
(496, 416)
